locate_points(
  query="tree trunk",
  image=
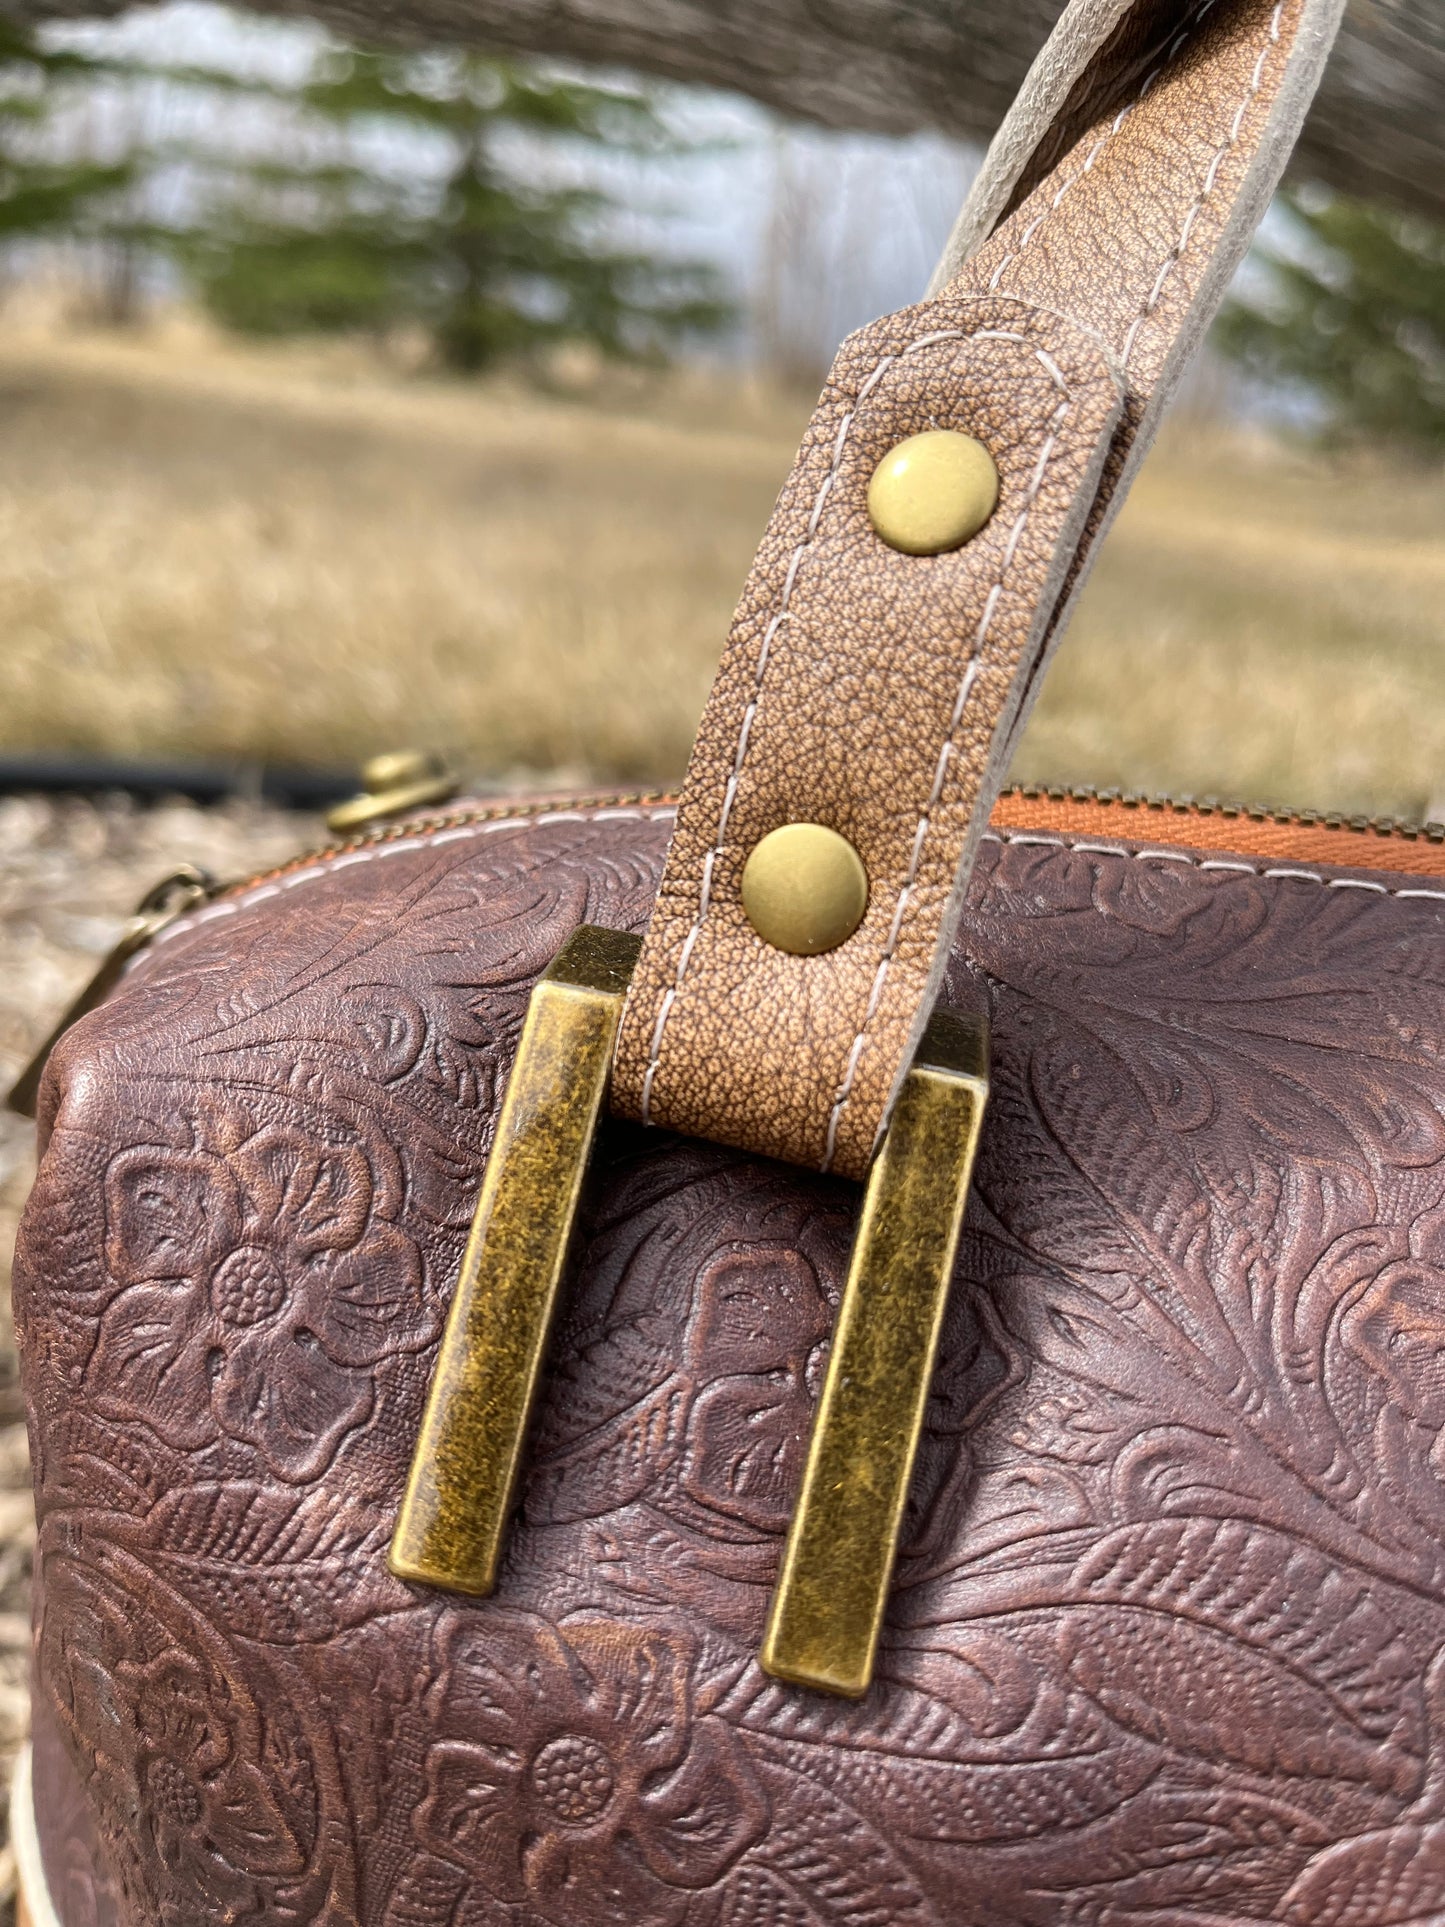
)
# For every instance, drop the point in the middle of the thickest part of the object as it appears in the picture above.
(1378, 127)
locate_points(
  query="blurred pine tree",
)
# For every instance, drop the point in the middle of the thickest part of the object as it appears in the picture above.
(41, 196)
(491, 262)
(1354, 313)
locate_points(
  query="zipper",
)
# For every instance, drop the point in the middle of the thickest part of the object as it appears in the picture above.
(1087, 793)
(1084, 794)
(187, 887)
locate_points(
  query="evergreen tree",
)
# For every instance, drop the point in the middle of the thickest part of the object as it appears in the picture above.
(489, 262)
(1356, 315)
(43, 197)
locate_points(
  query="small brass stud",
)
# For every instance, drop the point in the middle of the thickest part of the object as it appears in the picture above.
(804, 889)
(933, 492)
(398, 780)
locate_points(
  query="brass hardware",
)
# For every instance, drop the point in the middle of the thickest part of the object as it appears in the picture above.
(464, 1471)
(933, 492)
(833, 1583)
(832, 1587)
(804, 889)
(401, 779)
(181, 890)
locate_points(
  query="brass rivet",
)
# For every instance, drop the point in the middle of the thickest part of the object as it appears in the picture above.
(932, 492)
(398, 780)
(805, 889)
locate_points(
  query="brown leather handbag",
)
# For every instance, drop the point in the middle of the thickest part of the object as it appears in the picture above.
(368, 1592)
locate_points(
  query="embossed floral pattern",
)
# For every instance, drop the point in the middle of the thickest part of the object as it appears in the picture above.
(202, 1802)
(270, 1268)
(570, 1773)
(763, 1310)
(1397, 1329)
(1164, 1642)
(175, 1738)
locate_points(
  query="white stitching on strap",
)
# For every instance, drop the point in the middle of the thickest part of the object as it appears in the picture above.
(945, 757)
(1176, 254)
(1175, 47)
(1211, 176)
(781, 615)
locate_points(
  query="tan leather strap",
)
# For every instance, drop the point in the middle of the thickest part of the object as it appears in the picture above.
(881, 693)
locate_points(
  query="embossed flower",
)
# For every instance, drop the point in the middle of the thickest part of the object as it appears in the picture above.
(209, 1811)
(257, 1288)
(762, 1313)
(1397, 1328)
(175, 1746)
(570, 1773)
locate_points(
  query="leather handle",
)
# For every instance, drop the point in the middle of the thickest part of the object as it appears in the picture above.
(881, 693)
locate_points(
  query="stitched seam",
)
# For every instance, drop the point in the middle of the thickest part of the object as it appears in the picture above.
(1161, 280)
(1045, 841)
(465, 814)
(1176, 47)
(230, 905)
(776, 621)
(393, 846)
(945, 757)
(1211, 176)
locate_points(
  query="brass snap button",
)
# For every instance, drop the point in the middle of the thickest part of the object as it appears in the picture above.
(933, 492)
(804, 889)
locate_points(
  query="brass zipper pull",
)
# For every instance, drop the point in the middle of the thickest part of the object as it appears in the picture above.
(176, 893)
(402, 780)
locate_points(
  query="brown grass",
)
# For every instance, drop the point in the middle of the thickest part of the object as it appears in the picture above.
(212, 551)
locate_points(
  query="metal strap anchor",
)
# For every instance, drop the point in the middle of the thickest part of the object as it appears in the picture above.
(832, 1590)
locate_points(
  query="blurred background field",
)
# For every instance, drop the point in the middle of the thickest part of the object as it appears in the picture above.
(351, 399)
(219, 549)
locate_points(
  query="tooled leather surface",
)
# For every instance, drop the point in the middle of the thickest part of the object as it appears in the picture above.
(842, 698)
(1167, 1644)
(846, 692)
(74, 1872)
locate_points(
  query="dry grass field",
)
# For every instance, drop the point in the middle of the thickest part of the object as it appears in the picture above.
(214, 551)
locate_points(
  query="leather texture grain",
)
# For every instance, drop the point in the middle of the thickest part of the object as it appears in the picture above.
(864, 689)
(1167, 1643)
(883, 735)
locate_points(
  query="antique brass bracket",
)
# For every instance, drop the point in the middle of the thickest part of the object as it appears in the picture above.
(391, 784)
(832, 1590)
(463, 1477)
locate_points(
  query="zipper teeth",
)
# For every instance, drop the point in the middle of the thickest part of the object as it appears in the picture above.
(1385, 826)
(450, 820)
(1214, 806)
